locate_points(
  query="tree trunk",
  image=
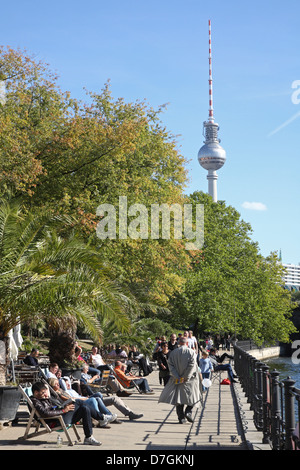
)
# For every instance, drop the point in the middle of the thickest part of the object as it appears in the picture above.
(3, 360)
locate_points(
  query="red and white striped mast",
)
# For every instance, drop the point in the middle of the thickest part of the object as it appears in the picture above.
(211, 155)
(211, 109)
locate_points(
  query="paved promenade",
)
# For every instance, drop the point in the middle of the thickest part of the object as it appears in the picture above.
(218, 425)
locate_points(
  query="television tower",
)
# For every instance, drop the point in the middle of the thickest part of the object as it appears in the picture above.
(211, 156)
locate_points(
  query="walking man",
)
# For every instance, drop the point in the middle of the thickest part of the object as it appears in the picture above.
(183, 387)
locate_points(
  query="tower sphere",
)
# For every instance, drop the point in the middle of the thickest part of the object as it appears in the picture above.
(212, 156)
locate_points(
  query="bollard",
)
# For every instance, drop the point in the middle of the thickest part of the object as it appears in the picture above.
(258, 410)
(252, 381)
(266, 404)
(275, 411)
(289, 408)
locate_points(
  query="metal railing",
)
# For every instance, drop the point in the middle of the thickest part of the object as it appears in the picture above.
(275, 403)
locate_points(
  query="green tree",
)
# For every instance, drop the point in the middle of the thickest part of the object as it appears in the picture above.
(231, 287)
(59, 280)
(70, 156)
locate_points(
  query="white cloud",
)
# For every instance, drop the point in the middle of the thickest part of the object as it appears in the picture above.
(254, 206)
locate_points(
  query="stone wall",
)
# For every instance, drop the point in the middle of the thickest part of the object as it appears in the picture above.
(265, 353)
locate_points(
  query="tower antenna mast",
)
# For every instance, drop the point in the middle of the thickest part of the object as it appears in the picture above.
(211, 156)
(210, 108)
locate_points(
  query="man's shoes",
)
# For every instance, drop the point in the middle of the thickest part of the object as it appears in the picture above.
(107, 419)
(189, 417)
(182, 421)
(111, 418)
(123, 393)
(103, 422)
(116, 421)
(149, 392)
(91, 441)
(133, 416)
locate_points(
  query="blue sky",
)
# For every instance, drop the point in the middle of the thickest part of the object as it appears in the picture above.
(158, 51)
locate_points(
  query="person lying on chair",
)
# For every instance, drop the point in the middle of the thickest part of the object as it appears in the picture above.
(226, 367)
(219, 359)
(71, 413)
(126, 380)
(87, 379)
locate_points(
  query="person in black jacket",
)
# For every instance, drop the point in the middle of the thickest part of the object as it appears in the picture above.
(162, 361)
(71, 413)
(173, 344)
(134, 357)
(32, 358)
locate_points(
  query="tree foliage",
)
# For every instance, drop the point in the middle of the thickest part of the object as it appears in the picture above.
(71, 156)
(65, 157)
(231, 287)
(60, 280)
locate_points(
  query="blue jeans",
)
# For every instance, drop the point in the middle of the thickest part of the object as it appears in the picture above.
(143, 384)
(96, 404)
(226, 367)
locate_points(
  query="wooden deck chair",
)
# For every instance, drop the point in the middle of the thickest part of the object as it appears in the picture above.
(42, 372)
(102, 387)
(38, 421)
(134, 385)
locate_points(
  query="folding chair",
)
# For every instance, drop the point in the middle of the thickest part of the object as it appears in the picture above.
(134, 385)
(216, 376)
(104, 386)
(38, 421)
(43, 372)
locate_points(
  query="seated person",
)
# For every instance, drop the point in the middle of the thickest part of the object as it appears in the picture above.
(86, 380)
(71, 413)
(226, 367)
(97, 360)
(53, 368)
(219, 359)
(116, 401)
(54, 372)
(122, 352)
(32, 358)
(79, 357)
(134, 357)
(126, 380)
(94, 402)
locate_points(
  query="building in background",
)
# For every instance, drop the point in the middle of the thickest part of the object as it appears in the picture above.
(292, 276)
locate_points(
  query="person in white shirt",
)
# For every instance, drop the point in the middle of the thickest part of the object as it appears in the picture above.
(192, 341)
(99, 364)
(97, 360)
(51, 373)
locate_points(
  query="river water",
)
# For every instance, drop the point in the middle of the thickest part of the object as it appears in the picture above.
(287, 367)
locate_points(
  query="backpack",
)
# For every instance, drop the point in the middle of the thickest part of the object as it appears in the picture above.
(225, 382)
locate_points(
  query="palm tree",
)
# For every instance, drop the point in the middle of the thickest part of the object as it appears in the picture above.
(43, 275)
